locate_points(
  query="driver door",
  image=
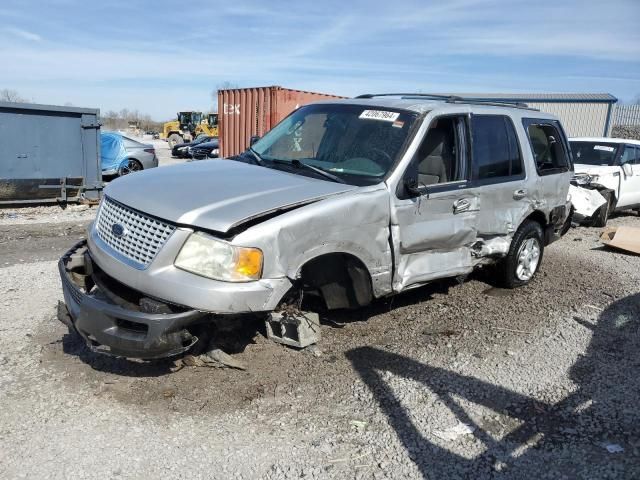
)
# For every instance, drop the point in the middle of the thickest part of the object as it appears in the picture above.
(433, 226)
(630, 184)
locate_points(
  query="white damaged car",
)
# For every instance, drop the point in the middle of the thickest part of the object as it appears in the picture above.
(607, 177)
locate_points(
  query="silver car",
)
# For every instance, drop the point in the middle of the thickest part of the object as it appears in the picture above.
(122, 155)
(347, 201)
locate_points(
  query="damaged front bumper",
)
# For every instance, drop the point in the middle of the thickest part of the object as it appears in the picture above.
(116, 326)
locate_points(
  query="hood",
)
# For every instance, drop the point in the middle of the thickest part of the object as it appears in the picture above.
(595, 169)
(217, 195)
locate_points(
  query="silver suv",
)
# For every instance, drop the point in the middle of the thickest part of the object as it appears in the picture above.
(348, 200)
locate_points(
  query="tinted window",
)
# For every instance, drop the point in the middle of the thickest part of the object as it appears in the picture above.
(594, 153)
(628, 155)
(546, 145)
(495, 148)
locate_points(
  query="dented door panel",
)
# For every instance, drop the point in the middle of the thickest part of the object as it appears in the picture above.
(432, 236)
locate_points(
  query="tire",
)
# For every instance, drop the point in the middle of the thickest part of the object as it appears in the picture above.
(601, 216)
(519, 267)
(174, 139)
(131, 166)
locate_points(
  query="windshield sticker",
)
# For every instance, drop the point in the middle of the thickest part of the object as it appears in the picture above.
(398, 124)
(380, 115)
(604, 148)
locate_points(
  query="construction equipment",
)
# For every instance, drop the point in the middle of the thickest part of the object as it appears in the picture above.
(211, 125)
(183, 129)
(188, 126)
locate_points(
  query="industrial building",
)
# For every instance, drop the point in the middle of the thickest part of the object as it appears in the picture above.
(582, 114)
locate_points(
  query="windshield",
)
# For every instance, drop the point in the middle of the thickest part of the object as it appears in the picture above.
(594, 153)
(212, 119)
(357, 144)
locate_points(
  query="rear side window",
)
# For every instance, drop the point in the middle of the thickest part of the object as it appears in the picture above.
(629, 155)
(495, 153)
(547, 146)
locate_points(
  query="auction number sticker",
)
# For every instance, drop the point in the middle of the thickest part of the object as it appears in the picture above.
(603, 148)
(383, 115)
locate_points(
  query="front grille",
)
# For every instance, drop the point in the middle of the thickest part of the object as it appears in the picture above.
(142, 236)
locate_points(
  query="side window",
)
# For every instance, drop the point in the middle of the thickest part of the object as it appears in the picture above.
(439, 159)
(547, 148)
(496, 153)
(628, 155)
(638, 155)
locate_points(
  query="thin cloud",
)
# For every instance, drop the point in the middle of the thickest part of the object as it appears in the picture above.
(22, 34)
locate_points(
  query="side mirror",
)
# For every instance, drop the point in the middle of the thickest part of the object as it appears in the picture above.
(627, 169)
(253, 139)
(412, 186)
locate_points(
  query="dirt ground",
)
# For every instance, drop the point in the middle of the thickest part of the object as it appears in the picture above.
(452, 380)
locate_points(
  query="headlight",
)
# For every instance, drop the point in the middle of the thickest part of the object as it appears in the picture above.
(215, 151)
(205, 255)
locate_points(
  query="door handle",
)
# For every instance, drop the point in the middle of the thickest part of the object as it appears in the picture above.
(519, 194)
(461, 205)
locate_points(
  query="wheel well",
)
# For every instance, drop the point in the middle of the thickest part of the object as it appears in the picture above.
(341, 279)
(136, 160)
(538, 216)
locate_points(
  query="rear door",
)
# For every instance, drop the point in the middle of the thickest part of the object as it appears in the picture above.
(498, 175)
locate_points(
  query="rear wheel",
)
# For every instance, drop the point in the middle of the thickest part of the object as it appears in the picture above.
(174, 139)
(131, 165)
(524, 257)
(600, 218)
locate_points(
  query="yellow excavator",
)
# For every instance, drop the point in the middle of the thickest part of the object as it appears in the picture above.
(188, 126)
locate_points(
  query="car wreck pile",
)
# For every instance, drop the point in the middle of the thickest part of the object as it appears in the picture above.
(342, 203)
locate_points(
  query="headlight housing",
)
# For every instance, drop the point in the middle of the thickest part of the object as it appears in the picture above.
(210, 257)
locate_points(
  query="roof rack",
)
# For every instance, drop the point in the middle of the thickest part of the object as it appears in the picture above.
(451, 99)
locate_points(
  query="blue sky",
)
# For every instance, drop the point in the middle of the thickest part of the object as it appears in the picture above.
(154, 57)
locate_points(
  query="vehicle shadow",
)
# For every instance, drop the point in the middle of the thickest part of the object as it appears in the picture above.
(568, 439)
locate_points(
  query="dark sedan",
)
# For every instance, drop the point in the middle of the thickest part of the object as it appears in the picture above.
(181, 150)
(205, 150)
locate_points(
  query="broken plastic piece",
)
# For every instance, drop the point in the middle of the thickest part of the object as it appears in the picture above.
(612, 447)
(296, 329)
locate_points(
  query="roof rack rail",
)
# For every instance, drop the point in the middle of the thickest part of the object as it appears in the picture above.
(452, 99)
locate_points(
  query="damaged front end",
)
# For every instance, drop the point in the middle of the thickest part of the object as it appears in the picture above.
(588, 197)
(117, 320)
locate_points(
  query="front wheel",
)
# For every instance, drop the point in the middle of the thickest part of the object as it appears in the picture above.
(524, 257)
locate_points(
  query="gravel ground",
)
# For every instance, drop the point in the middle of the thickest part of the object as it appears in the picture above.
(447, 381)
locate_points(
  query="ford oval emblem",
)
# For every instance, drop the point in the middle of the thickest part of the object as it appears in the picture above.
(118, 230)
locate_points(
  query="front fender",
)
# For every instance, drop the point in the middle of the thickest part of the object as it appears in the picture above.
(355, 223)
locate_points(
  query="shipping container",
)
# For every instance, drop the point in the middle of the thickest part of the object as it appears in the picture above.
(48, 153)
(247, 112)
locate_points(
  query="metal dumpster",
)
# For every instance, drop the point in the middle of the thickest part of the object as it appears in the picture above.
(49, 153)
(245, 112)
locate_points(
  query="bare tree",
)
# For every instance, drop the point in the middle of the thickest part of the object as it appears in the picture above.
(8, 95)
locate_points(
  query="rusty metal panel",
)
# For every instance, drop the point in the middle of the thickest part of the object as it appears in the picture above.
(246, 112)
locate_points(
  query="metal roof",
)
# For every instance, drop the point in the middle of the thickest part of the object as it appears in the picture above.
(542, 97)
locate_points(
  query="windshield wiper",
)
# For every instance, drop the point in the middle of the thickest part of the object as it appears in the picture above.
(257, 157)
(320, 171)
